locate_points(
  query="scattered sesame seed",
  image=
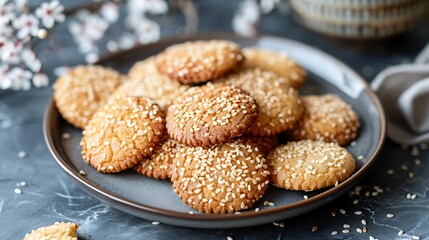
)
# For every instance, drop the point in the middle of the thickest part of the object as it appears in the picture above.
(22, 154)
(18, 191)
(415, 151)
(257, 209)
(371, 238)
(346, 225)
(408, 195)
(363, 222)
(334, 233)
(190, 212)
(305, 197)
(82, 173)
(417, 161)
(346, 231)
(411, 175)
(229, 238)
(367, 193)
(23, 183)
(364, 229)
(400, 233)
(415, 237)
(334, 214)
(276, 224)
(413, 196)
(353, 143)
(66, 135)
(358, 213)
(271, 204)
(342, 211)
(356, 201)
(389, 215)
(282, 224)
(404, 167)
(374, 194)
(156, 223)
(404, 146)
(390, 171)
(237, 213)
(423, 146)
(314, 229)
(266, 203)
(360, 157)
(358, 230)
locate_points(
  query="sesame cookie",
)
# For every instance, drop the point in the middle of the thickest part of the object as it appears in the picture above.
(264, 144)
(222, 178)
(122, 133)
(59, 231)
(210, 114)
(327, 118)
(199, 61)
(80, 92)
(276, 62)
(159, 164)
(309, 165)
(145, 80)
(279, 105)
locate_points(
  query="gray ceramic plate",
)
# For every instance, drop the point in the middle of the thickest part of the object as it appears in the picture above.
(155, 200)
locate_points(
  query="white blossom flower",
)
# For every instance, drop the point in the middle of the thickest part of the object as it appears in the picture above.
(60, 71)
(20, 5)
(10, 52)
(110, 12)
(5, 30)
(147, 31)
(40, 80)
(5, 82)
(244, 22)
(19, 79)
(50, 13)
(6, 12)
(26, 25)
(147, 6)
(29, 58)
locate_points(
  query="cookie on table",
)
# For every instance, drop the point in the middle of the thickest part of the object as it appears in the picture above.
(223, 178)
(309, 165)
(159, 164)
(279, 104)
(79, 93)
(145, 80)
(122, 133)
(278, 63)
(327, 118)
(210, 114)
(59, 231)
(199, 61)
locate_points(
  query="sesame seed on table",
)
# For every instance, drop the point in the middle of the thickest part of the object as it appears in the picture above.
(50, 196)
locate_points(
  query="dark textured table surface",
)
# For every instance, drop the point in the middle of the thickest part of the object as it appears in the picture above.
(398, 184)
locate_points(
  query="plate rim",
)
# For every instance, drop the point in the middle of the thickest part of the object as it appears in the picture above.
(324, 196)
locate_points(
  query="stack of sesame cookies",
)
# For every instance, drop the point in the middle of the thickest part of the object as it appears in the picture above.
(207, 115)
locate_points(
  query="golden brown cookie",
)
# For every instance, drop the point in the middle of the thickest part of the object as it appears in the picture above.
(279, 105)
(122, 133)
(199, 61)
(210, 114)
(58, 231)
(309, 165)
(276, 62)
(80, 92)
(159, 164)
(264, 144)
(327, 118)
(145, 80)
(222, 178)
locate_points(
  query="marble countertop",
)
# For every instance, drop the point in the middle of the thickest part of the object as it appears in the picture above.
(398, 183)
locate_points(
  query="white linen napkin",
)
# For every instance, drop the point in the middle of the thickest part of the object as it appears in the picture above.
(404, 93)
